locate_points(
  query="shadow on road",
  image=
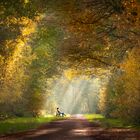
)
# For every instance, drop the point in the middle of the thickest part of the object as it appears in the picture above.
(76, 129)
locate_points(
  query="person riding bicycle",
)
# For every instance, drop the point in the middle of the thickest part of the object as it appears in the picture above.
(59, 113)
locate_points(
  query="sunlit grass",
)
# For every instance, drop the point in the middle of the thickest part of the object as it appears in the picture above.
(92, 117)
(109, 122)
(23, 124)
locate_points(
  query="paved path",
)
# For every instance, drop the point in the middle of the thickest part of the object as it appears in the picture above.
(75, 128)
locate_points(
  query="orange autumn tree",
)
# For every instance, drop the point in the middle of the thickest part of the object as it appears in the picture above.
(39, 37)
(122, 97)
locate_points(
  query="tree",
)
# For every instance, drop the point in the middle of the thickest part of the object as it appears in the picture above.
(121, 98)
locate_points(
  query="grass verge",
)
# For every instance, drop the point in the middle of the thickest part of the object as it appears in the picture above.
(109, 122)
(23, 124)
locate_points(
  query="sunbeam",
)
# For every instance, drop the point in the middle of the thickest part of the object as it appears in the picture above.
(77, 95)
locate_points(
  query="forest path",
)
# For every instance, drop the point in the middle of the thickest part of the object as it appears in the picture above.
(75, 128)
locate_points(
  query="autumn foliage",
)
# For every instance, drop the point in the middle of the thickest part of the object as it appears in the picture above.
(43, 39)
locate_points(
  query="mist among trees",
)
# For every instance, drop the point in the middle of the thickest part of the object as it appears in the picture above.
(80, 55)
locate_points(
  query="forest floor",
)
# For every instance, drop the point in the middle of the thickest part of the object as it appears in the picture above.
(75, 128)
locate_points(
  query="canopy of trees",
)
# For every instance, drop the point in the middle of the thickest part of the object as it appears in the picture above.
(44, 40)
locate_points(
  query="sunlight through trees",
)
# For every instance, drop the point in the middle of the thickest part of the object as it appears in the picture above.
(81, 55)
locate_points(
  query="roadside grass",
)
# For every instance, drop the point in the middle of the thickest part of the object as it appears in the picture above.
(109, 122)
(92, 117)
(23, 124)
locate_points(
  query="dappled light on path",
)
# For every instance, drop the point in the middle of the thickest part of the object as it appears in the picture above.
(78, 116)
(44, 132)
(75, 128)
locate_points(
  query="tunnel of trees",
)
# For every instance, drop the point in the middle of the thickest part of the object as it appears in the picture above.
(81, 55)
